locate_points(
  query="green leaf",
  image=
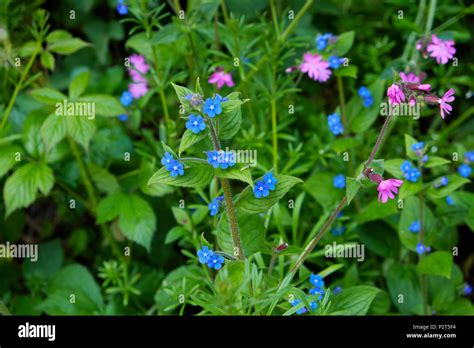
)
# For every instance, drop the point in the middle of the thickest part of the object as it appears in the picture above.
(352, 187)
(355, 300)
(404, 288)
(81, 129)
(182, 217)
(409, 141)
(195, 175)
(189, 139)
(320, 186)
(137, 220)
(247, 202)
(47, 60)
(48, 95)
(230, 119)
(385, 244)
(103, 180)
(345, 143)
(105, 105)
(53, 130)
(252, 234)
(455, 181)
(174, 234)
(168, 34)
(361, 118)
(22, 186)
(378, 166)
(348, 71)
(73, 280)
(392, 166)
(434, 161)
(409, 188)
(28, 49)
(67, 46)
(410, 214)
(181, 92)
(376, 210)
(79, 84)
(50, 259)
(344, 43)
(331, 269)
(235, 173)
(7, 158)
(437, 263)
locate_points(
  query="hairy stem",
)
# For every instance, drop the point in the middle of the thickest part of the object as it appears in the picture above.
(229, 203)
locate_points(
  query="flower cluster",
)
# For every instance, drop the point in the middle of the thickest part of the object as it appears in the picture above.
(422, 249)
(464, 169)
(322, 41)
(263, 187)
(366, 96)
(221, 159)
(335, 125)
(172, 165)
(317, 290)
(339, 181)
(211, 258)
(221, 78)
(122, 8)
(214, 205)
(410, 172)
(437, 48)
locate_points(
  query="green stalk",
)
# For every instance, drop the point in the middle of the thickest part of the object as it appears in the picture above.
(275, 19)
(342, 102)
(19, 85)
(274, 134)
(431, 13)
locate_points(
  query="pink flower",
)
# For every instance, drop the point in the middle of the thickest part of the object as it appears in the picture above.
(138, 90)
(136, 76)
(387, 188)
(425, 87)
(315, 66)
(395, 94)
(444, 107)
(139, 63)
(411, 77)
(220, 77)
(441, 50)
(412, 101)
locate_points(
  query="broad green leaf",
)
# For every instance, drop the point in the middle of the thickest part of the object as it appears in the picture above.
(48, 95)
(168, 34)
(31, 133)
(182, 217)
(53, 130)
(378, 165)
(409, 188)
(81, 129)
(410, 214)
(376, 210)
(236, 173)
(189, 139)
(50, 258)
(22, 187)
(181, 92)
(404, 288)
(320, 186)
(103, 180)
(380, 239)
(7, 158)
(47, 60)
(361, 118)
(174, 234)
(352, 187)
(229, 121)
(79, 84)
(105, 105)
(247, 202)
(409, 141)
(345, 143)
(455, 181)
(349, 71)
(434, 161)
(74, 280)
(28, 49)
(195, 175)
(355, 300)
(58, 35)
(392, 166)
(252, 234)
(344, 43)
(67, 46)
(437, 263)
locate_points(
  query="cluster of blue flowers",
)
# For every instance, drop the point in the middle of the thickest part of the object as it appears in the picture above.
(465, 170)
(126, 99)
(339, 181)
(443, 181)
(318, 290)
(415, 227)
(263, 187)
(418, 146)
(322, 41)
(195, 123)
(211, 258)
(221, 159)
(335, 125)
(422, 249)
(214, 205)
(410, 172)
(335, 62)
(122, 9)
(172, 165)
(366, 96)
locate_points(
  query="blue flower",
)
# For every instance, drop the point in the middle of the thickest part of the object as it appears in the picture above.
(270, 180)
(122, 9)
(322, 41)
(425, 159)
(415, 227)
(212, 107)
(302, 310)
(220, 98)
(316, 280)
(313, 305)
(215, 261)
(317, 291)
(412, 175)
(422, 249)
(194, 98)
(406, 166)
(444, 181)
(464, 170)
(418, 146)
(227, 159)
(449, 200)
(126, 98)
(213, 158)
(195, 123)
(334, 62)
(467, 289)
(339, 181)
(176, 168)
(167, 160)
(368, 102)
(334, 119)
(337, 129)
(469, 156)
(261, 189)
(364, 92)
(204, 254)
(214, 205)
(337, 290)
(338, 231)
(123, 117)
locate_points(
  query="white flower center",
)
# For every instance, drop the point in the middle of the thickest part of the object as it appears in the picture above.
(211, 107)
(195, 123)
